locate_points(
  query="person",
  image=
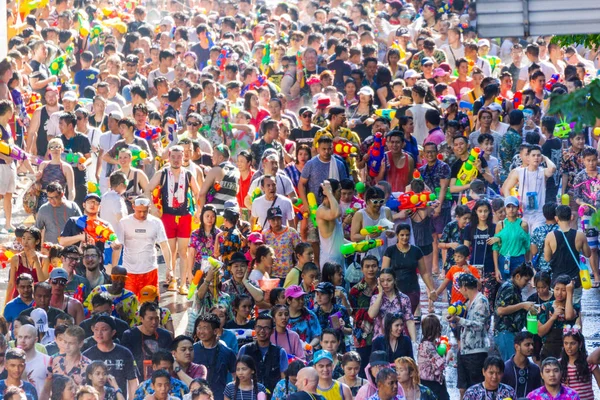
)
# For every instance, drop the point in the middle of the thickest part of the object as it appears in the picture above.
(302, 320)
(59, 300)
(106, 385)
(70, 257)
(161, 384)
(53, 215)
(377, 214)
(377, 361)
(493, 369)
(282, 240)
(511, 310)
(162, 360)
(23, 301)
(514, 242)
(539, 235)
(303, 253)
(388, 385)
(147, 338)
(72, 363)
(42, 292)
(119, 360)
(246, 380)
(184, 369)
(36, 365)
(239, 282)
(453, 234)
(307, 381)
(112, 206)
(76, 143)
(94, 272)
(331, 234)
(218, 358)
(573, 359)
(393, 342)
(461, 254)
(432, 363)
(399, 165)
(409, 380)
(292, 343)
(326, 386)
(270, 199)
(552, 376)
(351, 363)
(14, 364)
(461, 149)
(287, 386)
(141, 232)
(101, 304)
(329, 313)
(519, 372)
(223, 176)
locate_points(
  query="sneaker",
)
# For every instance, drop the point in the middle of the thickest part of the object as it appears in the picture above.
(183, 290)
(172, 286)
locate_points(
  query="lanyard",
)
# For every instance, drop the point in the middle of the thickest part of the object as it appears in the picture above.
(287, 335)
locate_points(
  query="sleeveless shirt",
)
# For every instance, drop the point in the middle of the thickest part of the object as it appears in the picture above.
(334, 392)
(51, 173)
(229, 185)
(397, 177)
(368, 221)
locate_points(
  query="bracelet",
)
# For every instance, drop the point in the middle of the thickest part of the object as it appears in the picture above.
(119, 391)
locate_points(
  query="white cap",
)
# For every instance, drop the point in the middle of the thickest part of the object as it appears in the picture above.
(70, 96)
(367, 90)
(167, 21)
(411, 73)
(40, 318)
(483, 42)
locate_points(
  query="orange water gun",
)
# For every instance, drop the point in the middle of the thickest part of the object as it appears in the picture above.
(157, 199)
(5, 256)
(99, 230)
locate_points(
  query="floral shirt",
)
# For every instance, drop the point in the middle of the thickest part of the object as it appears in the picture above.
(282, 391)
(478, 392)
(28, 388)
(360, 299)
(125, 304)
(538, 238)
(451, 234)
(546, 311)
(204, 245)
(565, 393)
(571, 164)
(283, 243)
(431, 364)
(212, 119)
(438, 55)
(77, 372)
(231, 242)
(475, 326)
(324, 316)
(233, 288)
(306, 326)
(178, 389)
(586, 189)
(433, 175)
(509, 295)
(509, 147)
(399, 304)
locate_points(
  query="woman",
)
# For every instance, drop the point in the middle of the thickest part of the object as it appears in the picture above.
(246, 385)
(137, 180)
(394, 342)
(350, 94)
(294, 169)
(334, 274)
(29, 261)
(383, 78)
(285, 338)
(408, 378)
(265, 257)
(244, 164)
(577, 372)
(99, 119)
(433, 365)
(452, 113)
(514, 242)
(351, 362)
(131, 43)
(302, 321)
(405, 259)
(393, 59)
(479, 238)
(63, 388)
(55, 170)
(8, 172)
(252, 105)
(287, 386)
(407, 125)
(327, 308)
(359, 116)
(202, 240)
(289, 146)
(243, 310)
(389, 299)
(106, 385)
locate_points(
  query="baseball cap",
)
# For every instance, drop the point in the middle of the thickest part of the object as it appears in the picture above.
(294, 291)
(511, 201)
(322, 355)
(483, 42)
(378, 358)
(51, 88)
(305, 110)
(70, 96)
(446, 67)
(167, 21)
(132, 59)
(495, 107)
(402, 32)
(148, 293)
(271, 157)
(59, 273)
(448, 100)
(274, 212)
(439, 72)
(118, 115)
(366, 90)
(256, 238)
(91, 196)
(107, 319)
(231, 204)
(323, 102)
(426, 60)
(40, 318)
(411, 73)
(325, 287)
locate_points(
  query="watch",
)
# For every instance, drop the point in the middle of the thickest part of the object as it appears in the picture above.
(177, 369)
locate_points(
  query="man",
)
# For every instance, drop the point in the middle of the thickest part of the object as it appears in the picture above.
(327, 387)
(14, 365)
(397, 166)
(275, 109)
(454, 49)
(461, 149)
(106, 143)
(23, 301)
(69, 101)
(261, 205)
(72, 363)
(140, 233)
(76, 143)
(37, 138)
(271, 360)
(533, 55)
(125, 302)
(128, 140)
(112, 206)
(512, 139)
(552, 389)
(184, 369)
(42, 293)
(531, 182)
(226, 174)
(331, 233)
(58, 280)
(165, 60)
(94, 272)
(119, 359)
(305, 133)
(270, 164)
(71, 257)
(268, 141)
(162, 360)
(306, 382)
(136, 79)
(474, 326)
(493, 369)
(283, 239)
(429, 51)
(36, 365)
(387, 385)
(418, 110)
(101, 304)
(53, 215)
(147, 338)
(210, 352)
(520, 373)
(563, 247)
(511, 310)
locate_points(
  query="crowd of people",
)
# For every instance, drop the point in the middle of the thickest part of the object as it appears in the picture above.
(315, 175)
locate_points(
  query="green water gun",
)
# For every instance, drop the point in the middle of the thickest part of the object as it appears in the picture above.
(59, 62)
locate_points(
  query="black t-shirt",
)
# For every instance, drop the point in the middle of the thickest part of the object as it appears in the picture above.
(552, 149)
(52, 313)
(405, 267)
(482, 253)
(305, 396)
(78, 144)
(122, 326)
(143, 346)
(459, 163)
(300, 136)
(119, 361)
(218, 361)
(71, 229)
(340, 69)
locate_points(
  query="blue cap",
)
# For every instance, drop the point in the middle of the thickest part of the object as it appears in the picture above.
(427, 60)
(511, 201)
(322, 355)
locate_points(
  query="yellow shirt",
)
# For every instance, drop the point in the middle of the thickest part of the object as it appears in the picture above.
(129, 303)
(334, 392)
(344, 133)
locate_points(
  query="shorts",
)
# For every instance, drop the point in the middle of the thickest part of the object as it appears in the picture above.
(8, 179)
(439, 223)
(591, 233)
(177, 226)
(427, 249)
(136, 282)
(415, 298)
(312, 235)
(470, 369)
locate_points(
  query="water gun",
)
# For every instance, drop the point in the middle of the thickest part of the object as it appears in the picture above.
(374, 229)
(111, 13)
(299, 64)
(312, 205)
(360, 247)
(260, 81)
(157, 199)
(518, 101)
(222, 59)
(34, 97)
(96, 32)
(360, 188)
(194, 284)
(256, 193)
(448, 194)
(79, 294)
(84, 25)
(443, 345)
(99, 230)
(30, 108)
(386, 113)
(466, 105)
(5, 256)
(299, 214)
(266, 58)
(584, 274)
(343, 148)
(173, 127)
(93, 187)
(563, 129)
(291, 358)
(73, 158)
(12, 151)
(553, 79)
(458, 308)
(468, 172)
(243, 334)
(376, 153)
(410, 201)
(150, 133)
(137, 154)
(26, 7)
(59, 62)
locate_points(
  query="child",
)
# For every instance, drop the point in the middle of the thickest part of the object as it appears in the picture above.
(498, 209)
(461, 253)
(452, 235)
(243, 305)
(310, 275)
(229, 240)
(246, 384)
(287, 386)
(431, 363)
(304, 254)
(351, 364)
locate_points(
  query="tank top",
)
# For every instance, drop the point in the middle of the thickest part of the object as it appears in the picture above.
(334, 392)
(41, 141)
(244, 188)
(562, 261)
(183, 209)
(51, 173)
(22, 269)
(5, 137)
(230, 185)
(397, 177)
(368, 221)
(330, 247)
(532, 182)
(423, 231)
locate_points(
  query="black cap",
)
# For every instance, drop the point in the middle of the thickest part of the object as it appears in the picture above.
(92, 196)
(238, 257)
(274, 212)
(402, 32)
(107, 319)
(132, 59)
(325, 287)
(230, 214)
(305, 109)
(378, 358)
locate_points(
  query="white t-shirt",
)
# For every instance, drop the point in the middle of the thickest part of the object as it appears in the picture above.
(547, 68)
(139, 238)
(284, 184)
(112, 204)
(170, 75)
(37, 369)
(105, 143)
(261, 205)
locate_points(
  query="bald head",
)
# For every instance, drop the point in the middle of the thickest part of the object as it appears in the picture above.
(307, 380)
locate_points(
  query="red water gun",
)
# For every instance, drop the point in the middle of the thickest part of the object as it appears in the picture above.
(551, 82)
(518, 100)
(99, 230)
(80, 293)
(222, 59)
(343, 148)
(5, 256)
(376, 153)
(150, 133)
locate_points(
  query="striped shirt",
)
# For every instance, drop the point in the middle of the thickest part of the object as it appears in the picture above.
(583, 389)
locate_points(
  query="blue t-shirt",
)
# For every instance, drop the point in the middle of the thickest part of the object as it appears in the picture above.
(14, 308)
(27, 387)
(85, 78)
(316, 171)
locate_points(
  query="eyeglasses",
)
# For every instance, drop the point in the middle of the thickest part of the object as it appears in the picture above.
(190, 123)
(90, 256)
(262, 328)
(75, 259)
(306, 115)
(55, 147)
(142, 202)
(60, 282)
(377, 202)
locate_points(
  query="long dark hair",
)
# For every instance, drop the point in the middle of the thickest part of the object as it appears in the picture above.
(388, 321)
(582, 370)
(475, 219)
(59, 384)
(249, 362)
(390, 271)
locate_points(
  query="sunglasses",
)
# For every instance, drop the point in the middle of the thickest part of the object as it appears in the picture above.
(377, 202)
(56, 147)
(306, 115)
(61, 282)
(193, 123)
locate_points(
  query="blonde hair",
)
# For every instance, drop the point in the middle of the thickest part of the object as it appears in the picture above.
(56, 141)
(412, 367)
(87, 389)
